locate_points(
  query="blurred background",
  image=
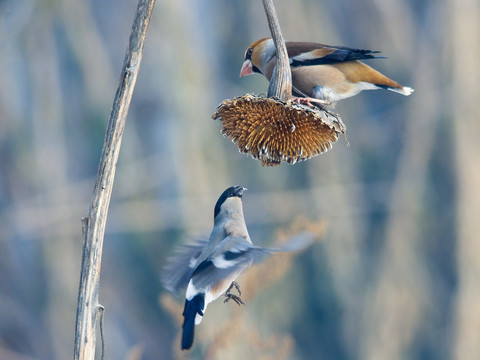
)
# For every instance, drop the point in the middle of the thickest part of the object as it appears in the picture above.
(396, 273)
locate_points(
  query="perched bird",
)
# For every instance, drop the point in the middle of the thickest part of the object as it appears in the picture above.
(320, 73)
(209, 268)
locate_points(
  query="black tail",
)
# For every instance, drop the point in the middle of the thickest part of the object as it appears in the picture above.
(192, 308)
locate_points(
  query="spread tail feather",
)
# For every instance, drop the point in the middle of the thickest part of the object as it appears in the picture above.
(192, 308)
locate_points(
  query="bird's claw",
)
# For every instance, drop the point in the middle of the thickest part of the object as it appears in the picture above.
(235, 285)
(308, 101)
(230, 296)
(235, 298)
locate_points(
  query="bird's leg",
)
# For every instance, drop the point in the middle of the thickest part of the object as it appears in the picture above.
(235, 285)
(309, 100)
(230, 296)
(235, 298)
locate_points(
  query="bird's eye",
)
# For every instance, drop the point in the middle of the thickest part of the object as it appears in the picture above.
(249, 52)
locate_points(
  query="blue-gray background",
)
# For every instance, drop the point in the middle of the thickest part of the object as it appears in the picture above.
(397, 272)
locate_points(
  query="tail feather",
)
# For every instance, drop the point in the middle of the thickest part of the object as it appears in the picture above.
(192, 308)
(404, 90)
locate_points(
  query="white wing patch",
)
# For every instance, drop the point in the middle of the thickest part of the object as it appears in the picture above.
(220, 262)
(304, 57)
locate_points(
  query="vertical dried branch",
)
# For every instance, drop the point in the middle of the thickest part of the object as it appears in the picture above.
(281, 81)
(94, 223)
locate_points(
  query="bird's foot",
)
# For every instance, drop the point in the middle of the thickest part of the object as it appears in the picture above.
(235, 298)
(235, 285)
(230, 296)
(308, 101)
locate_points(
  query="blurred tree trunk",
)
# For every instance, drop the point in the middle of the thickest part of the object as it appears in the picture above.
(464, 99)
(400, 297)
(400, 294)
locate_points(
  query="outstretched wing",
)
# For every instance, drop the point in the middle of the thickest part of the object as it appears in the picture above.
(176, 273)
(230, 257)
(307, 53)
(235, 254)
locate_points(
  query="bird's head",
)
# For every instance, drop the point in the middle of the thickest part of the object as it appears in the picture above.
(230, 201)
(257, 56)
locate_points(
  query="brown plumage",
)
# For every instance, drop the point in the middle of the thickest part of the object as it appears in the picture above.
(273, 131)
(321, 72)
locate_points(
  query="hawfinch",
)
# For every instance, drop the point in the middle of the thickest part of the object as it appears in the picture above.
(321, 73)
(209, 268)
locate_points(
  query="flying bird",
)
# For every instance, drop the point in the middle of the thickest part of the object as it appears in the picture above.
(321, 73)
(209, 268)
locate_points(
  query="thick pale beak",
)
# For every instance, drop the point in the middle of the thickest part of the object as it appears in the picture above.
(247, 68)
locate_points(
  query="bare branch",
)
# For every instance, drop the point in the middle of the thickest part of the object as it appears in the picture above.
(94, 223)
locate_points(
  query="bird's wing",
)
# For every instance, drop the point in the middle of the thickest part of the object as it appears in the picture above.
(306, 53)
(180, 265)
(231, 256)
(234, 254)
(298, 242)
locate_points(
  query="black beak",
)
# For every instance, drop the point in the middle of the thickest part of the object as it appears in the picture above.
(239, 190)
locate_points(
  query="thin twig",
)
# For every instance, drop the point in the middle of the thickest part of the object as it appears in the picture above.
(94, 223)
(281, 82)
(101, 311)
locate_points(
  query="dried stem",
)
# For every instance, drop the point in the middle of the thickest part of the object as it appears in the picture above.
(94, 223)
(281, 81)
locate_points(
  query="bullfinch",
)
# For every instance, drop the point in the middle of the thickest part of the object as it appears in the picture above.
(209, 268)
